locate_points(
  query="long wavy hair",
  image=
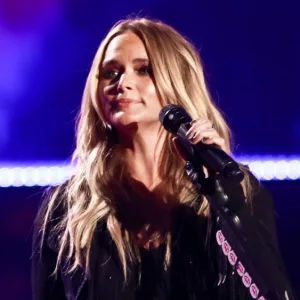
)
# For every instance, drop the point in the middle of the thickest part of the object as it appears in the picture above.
(91, 195)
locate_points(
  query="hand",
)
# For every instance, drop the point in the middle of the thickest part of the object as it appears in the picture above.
(201, 131)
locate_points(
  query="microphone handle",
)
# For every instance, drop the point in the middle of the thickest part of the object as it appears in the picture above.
(210, 156)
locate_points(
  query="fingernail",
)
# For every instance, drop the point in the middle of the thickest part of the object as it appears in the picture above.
(189, 135)
(192, 137)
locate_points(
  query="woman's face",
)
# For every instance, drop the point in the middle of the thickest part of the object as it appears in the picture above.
(128, 94)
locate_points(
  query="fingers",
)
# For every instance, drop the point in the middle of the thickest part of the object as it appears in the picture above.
(220, 142)
(198, 125)
(204, 131)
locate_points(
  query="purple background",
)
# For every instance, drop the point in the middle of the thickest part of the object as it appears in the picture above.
(251, 53)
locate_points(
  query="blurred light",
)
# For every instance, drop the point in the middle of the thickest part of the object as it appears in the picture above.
(44, 175)
(273, 168)
(264, 168)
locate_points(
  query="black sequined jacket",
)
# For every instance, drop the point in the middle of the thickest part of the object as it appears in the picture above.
(198, 269)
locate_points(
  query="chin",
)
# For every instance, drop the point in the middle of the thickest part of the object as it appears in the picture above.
(125, 119)
(133, 122)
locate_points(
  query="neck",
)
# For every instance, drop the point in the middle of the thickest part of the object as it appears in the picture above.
(142, 149)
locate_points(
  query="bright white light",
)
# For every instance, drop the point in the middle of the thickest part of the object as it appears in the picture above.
(272, 168)
(256, 167)
(282, 169)
(269, 170)
(264, 168)
(34, 175)
(294, 169)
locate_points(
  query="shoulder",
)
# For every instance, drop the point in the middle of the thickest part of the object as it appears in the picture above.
(261, 199)
(258, 200)
(262, 206)
(53, 204)
(50, 213)
(46, 282)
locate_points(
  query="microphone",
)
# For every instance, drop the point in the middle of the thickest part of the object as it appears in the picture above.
(177, 121)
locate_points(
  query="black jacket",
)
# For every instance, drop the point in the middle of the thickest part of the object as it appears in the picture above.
(193, 273)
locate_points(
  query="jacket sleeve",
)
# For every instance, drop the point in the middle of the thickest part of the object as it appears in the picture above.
(264, 212)
(45, 284)
(264, 215)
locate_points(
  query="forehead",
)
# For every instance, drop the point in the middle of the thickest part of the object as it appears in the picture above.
(128, 44)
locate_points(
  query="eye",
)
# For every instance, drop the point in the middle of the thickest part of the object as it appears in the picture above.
(145, 70)
(109, 74)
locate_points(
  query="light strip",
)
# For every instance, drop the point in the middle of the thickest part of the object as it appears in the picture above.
(272, 168)
(43, 175)
(265, 168)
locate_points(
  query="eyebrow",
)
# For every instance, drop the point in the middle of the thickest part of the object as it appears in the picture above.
(114, 61)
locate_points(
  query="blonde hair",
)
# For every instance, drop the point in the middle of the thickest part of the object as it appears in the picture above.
(99, 170)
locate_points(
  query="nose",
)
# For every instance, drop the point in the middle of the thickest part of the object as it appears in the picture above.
(125, 82)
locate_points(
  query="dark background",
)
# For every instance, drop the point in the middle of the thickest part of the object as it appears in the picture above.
(250, 51)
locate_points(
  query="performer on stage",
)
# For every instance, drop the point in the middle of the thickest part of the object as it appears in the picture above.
(129, 224)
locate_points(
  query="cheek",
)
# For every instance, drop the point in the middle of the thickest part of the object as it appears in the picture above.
(103, 103)
(103, 93)
(151, 95)
(105, 109)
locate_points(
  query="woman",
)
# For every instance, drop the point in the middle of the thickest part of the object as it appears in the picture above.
(129, 224)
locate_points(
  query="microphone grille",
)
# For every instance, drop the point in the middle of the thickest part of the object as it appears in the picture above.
(165, 111)
(172, 117)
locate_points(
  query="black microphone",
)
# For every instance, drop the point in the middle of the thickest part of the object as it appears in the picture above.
(177, 121)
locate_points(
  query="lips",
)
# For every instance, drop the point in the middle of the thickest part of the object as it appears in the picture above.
(124, 102)
(127, 100)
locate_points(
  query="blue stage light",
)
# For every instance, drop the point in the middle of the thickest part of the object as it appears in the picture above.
(265, 168)
(43, 175)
